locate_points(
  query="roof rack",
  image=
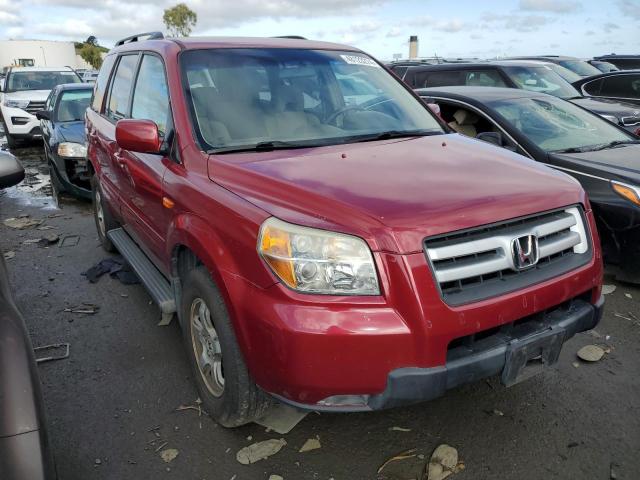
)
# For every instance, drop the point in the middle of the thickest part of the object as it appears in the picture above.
(139, 37)
(293, 37)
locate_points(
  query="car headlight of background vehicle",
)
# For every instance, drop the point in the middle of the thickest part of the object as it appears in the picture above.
(629, 192)
(16, 103)
(318, 261)
(72, 150)
(611, 118)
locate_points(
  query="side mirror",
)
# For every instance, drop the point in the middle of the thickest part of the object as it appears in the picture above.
(11, 171)
(138, 136)
(491, 137)
(43, 115)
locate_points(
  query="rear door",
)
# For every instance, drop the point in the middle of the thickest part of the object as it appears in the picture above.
(143, 209)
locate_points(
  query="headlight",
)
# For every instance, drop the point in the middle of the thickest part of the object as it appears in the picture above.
(317, 261)
(16, 103)
(72, 150)
(629, 192)
(611, 118)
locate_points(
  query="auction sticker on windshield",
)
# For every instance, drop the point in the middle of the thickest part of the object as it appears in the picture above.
(359, 60)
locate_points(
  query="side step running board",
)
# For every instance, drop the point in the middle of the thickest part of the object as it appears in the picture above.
(156, 284)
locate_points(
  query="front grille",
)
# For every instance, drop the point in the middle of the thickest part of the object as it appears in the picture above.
(631, 121)
(475, 264)
(34, 107)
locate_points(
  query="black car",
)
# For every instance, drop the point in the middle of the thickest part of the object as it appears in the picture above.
(604, 67)
(24, 447)
(602, 156)
(576, 65)
(527, 75)
(621, 85)
(65, 144)
(623, 62)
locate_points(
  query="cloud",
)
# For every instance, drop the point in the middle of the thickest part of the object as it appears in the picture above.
(630, 8)
(552, 6)
(610, 27)
(451, 26)
(394, 32)
(7, 18)
(519, 23)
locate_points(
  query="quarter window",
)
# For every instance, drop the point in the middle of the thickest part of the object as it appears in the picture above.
(593, 88)
(101, 83)
(438, 79)
(121, 88)
(151, 97)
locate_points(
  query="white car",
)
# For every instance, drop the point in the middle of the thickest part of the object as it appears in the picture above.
(24, 92)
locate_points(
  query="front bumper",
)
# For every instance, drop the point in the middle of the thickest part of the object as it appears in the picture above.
(21, 124)
(493, 355)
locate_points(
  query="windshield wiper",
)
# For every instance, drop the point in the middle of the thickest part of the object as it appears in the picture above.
(395, 134)
(260, 147)
(615, 143)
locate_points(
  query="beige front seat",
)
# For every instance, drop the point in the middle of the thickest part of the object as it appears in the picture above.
(464, 122)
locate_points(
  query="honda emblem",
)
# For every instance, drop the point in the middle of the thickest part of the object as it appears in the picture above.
(524, 251)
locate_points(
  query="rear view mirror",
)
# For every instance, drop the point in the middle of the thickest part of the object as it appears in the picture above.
(491, 137)
(140, 136)
(11, 171)
(43, 115)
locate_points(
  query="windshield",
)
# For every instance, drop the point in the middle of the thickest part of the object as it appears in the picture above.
(569, 75)
(581, 68)
(541, 79)
(72, 105)
(39, 80)
(297, 97)
(556, 125)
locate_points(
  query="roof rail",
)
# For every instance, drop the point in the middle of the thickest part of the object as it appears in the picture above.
(139, 37)
(293, 37)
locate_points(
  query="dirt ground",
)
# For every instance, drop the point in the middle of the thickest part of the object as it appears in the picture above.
(112, 404)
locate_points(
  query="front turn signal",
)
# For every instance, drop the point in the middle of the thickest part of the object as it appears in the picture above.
(629, 192)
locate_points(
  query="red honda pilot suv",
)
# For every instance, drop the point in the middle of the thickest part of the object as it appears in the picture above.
(323, 238)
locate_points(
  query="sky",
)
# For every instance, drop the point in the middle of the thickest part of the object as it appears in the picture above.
(459, 28)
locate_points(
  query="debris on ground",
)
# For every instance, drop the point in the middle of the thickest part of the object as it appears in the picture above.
(9, 254)
(310, 444)
(22, 222)
(591, 353)
(47, 240)
(86, 308)
(45, 227)
(607, 289)
(260, 450)
(411, 453)
(55, 346)
(497, 413)
(281, 418)
(97, 461)
(116, 267)
(628, 295)
(443, 462)
(399, 429)
(169, 455)
(197, 408)
(275, 477)
(69, 241)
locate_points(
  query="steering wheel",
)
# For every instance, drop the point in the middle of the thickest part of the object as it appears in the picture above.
(341, 111)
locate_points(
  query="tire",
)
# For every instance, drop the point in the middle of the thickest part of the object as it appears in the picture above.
(11, 142)
(227, 391)
(102, 215)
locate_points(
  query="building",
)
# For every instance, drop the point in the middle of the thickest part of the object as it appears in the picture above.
(39, 53)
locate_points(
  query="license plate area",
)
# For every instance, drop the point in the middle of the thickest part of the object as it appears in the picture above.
(527, 357)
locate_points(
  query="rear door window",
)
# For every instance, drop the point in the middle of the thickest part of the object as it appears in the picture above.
(484, 78)
(151, 96)
(439, 79)
(118, 104)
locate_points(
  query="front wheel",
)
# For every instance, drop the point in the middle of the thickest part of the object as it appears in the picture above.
(11, 141)
(226, 389)
(103, 218)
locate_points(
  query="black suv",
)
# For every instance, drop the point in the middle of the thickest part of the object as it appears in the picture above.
(623, 62)
(576, 65)
(525, 75)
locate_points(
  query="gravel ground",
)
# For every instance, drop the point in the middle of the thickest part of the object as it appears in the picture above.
(111, 404)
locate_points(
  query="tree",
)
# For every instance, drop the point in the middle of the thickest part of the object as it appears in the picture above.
(180, 20)
(92, 54)
(91, 40)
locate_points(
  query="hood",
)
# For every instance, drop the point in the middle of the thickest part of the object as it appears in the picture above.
(618, 163)
(607, 106)
(395, 193)
(71, 132)
(31, 95)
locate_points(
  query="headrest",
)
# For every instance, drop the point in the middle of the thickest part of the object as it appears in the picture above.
(465, 117)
